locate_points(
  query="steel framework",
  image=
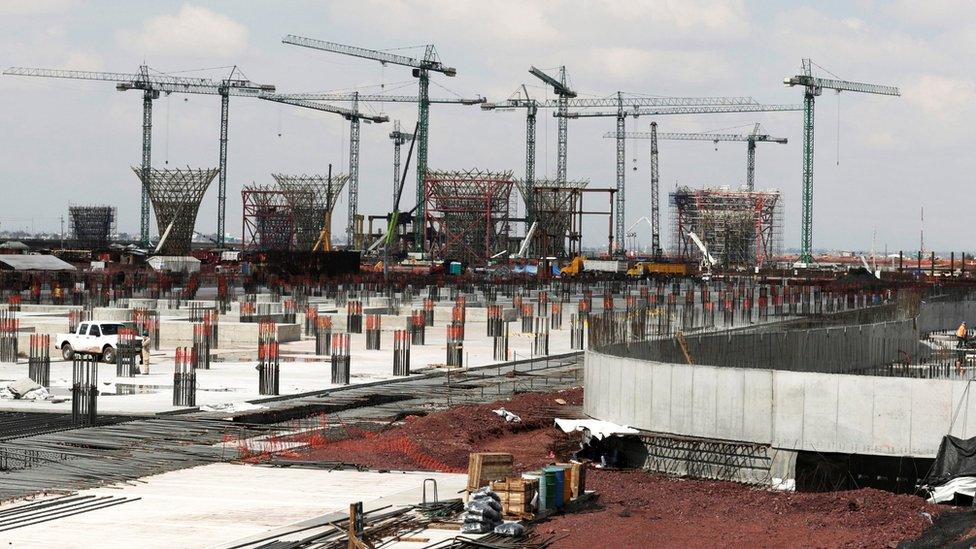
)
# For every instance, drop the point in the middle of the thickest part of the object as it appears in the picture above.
(312, 199)
(269, 217)
(740, 228)
(468, 212)
(92, 227)
(555, 204)
(176, 195)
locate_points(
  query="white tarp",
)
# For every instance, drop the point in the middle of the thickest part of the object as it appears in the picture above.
(961, 485)
(598, 429)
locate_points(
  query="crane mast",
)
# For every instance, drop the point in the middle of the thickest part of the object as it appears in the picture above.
(812, 87)
(421, 71)
(655, 196)
(152, 85)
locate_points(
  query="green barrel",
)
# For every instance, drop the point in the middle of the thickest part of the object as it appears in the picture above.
(552, 490)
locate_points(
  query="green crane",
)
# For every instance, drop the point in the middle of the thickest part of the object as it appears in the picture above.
(812, 87)
(421, 70)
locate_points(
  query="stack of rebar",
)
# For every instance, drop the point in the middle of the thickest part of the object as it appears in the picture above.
(577, 327)
(458, 315)
(84, 390)
(184, 378)
(496, 320)
(428, 312)
(401, 353)
(418, 324)
(9, 326)
(39, 359)
(268, 367)
(129, 348)
(455, 345)
(323, 335)
(373, 332)
(288, 311)
(354, 317)
(500, 343)
(340, 359)
(542, 301)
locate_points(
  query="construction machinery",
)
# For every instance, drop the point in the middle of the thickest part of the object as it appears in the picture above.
(421, 70)
(354, 117)
(812, 87)
(750, 139)
(707, 261)
(152, 84)
(710, 105)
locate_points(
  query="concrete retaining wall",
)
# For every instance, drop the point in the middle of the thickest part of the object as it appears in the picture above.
(787, 410)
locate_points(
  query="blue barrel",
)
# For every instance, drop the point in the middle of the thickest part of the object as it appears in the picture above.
(554, 497)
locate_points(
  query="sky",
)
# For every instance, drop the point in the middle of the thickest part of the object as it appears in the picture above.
(879, 160)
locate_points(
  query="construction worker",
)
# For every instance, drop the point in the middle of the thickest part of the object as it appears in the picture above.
(962, 335)
(144, 366)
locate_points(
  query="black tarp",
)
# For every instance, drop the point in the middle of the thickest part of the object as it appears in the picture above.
(956, 458)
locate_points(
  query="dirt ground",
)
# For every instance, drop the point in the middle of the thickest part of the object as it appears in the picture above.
(634, 508)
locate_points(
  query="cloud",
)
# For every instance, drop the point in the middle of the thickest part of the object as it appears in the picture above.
(194, 30)
(940, 96)
(36, 7)
(627, 65)
(82, 61)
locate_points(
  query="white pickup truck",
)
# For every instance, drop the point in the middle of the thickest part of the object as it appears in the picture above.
(95, 338)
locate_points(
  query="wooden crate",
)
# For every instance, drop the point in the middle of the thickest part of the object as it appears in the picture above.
(485, 467)
(517, 495)
(575, 478)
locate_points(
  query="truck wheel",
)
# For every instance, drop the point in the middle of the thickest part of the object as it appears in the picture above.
(67, 352)
(108, 354)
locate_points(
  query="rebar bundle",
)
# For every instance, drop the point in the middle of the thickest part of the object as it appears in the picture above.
(740, 228)
(9, 327)
(373, 332)
(556, 315)
(528, 313)
(354, 317)
(147, 322)
(455, 346)
(323, 335)
(312, 199)
(500, 343)
(418, 324)
(496, 321)
(13, 302)
(429, 311)
(540, 337)
(184, 378)
(458, 314)
(84, 390)
(289, 311)
(311, 319)
(92, 227)
(577, 328)
(469, 213)
(176, 196)
(340, 359)
(129, 348)
(401, 353)
(268, 367)
(39, 359)
(201, 346)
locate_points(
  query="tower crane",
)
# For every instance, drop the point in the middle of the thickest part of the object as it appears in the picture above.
(812, 87)
(399, 138)
(152, 84)
(355, 98)
(354, 117)
(421, 70)
(719, 105)
(563, 94)
(521, 100)
(751, 139)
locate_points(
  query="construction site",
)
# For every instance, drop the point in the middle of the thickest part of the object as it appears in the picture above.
(494, 361)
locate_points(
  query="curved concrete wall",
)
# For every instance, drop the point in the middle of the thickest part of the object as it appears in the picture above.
(787, 410)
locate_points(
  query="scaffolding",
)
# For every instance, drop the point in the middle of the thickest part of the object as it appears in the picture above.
(269, 218)
(556, 206)
(312, 199)
(739, 228)
(176, 195)
(92, 227)
(468, 214)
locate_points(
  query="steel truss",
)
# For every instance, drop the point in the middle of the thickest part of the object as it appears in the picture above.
(176, 195)
(92, 227)
(555, 204)
(469, 213)
(740, 228)
(269, 219)
(312, 199)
